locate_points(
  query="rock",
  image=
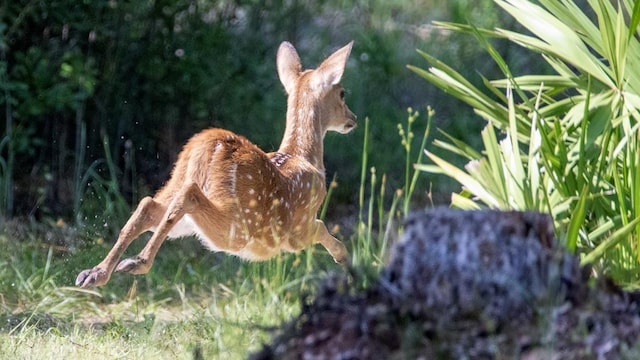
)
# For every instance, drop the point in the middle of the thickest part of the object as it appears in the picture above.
(468, 285)
(491, 264)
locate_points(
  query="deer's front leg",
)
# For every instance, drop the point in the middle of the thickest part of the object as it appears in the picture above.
(334, 246)
(146, 216)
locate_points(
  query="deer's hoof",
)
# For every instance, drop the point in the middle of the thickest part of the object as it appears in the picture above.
(343, 260)
(92, 277)
(134, 265)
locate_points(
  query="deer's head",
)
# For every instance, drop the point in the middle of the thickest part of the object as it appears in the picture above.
(317, 91)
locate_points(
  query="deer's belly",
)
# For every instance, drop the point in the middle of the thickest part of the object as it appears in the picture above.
(185, 227)
(236, 242)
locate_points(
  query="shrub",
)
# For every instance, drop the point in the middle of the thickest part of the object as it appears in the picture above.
(570, 138)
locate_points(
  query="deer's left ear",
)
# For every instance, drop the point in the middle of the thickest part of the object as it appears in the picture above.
(330, 71)
(289, 66)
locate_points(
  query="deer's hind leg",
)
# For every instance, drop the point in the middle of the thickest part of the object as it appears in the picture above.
(146, 216)
(189, 200)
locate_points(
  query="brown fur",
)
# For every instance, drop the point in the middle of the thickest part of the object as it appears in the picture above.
(237, 198)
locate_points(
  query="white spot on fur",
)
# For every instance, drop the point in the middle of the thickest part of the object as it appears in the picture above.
(233, 174)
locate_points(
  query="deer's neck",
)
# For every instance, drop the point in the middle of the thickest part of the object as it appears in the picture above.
(304, 134)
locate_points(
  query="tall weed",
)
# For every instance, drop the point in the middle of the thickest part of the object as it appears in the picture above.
(380, 214)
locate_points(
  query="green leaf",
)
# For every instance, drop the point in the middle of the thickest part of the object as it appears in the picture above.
(495, 162)
(457, 147)
(533, 82)
(466, 180)
(577, 221)
(634, 23)
(433, 169)
(553, 38)
(464, 203)
(615, 238)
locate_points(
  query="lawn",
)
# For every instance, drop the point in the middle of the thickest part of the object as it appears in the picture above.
(208, 304)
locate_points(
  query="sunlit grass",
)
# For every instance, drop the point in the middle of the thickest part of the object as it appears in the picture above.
(219, 325)
(221, 306)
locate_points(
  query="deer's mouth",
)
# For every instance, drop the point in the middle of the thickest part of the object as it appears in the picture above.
(350, 125)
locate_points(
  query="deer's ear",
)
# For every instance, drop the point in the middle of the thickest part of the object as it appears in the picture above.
(289, 66)
(330, 71)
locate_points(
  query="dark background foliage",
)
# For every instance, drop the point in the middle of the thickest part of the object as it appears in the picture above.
(99, 96)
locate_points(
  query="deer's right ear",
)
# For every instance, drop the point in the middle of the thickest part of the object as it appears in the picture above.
(330, 71)
(289, 66)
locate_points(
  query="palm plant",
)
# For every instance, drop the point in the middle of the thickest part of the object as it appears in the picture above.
(570, 145)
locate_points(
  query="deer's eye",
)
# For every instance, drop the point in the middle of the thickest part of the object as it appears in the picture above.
(342, 94)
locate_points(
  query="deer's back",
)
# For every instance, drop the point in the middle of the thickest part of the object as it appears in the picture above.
(257, 191)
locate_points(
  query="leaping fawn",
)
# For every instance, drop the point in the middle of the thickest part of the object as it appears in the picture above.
(235, 197)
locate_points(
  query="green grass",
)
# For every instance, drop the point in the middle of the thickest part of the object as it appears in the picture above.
(193, 302)
(191, 299)
(227, 327)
